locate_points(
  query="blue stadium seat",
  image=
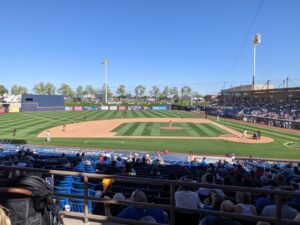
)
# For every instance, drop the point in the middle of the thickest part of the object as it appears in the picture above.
(78, 206)
(79, 168)
(89, 169)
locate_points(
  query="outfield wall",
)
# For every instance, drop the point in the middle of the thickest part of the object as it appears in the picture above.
(33, 106)
(117, 108)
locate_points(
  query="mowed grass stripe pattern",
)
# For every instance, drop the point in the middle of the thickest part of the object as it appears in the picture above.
(30, 124)
(155, 129)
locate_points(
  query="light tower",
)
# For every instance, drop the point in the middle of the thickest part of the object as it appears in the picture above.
(105, 62)
(255, 40)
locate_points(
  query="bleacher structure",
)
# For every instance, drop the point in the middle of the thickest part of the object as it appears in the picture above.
(77, 188)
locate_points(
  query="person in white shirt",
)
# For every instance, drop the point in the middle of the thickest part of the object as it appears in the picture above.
(287, 212)
(48, 136)
(245, 134)
(186, 198)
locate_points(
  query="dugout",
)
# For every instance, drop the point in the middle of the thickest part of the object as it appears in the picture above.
(39, 103)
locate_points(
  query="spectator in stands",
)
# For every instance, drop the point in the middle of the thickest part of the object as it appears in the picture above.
(165, 190)
(237, 180)
(185, 197)
(244, 204)
(117, 209)
(208, 178)
(137, 213)
(279, 179)
(216, 201)
(112, 169)
(155, 173)
(262, 202)
(120, 162)
(287, 212)
(226, 206)
(128, 170)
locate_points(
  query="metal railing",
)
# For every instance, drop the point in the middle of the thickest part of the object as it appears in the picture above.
(171, 208)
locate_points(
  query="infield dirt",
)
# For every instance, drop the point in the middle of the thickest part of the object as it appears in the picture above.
(103, 129)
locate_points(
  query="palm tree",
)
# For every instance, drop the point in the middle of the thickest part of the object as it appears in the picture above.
(40, 88)
(139, 91)
(50, 88)
(18, 90)
(66, 90)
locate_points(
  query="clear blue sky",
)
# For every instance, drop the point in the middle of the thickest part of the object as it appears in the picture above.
(164, 42)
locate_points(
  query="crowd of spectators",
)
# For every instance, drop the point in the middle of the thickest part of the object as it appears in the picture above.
(274, 114)
(262, 175)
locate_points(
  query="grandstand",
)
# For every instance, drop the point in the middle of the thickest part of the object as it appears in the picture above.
(100, 184)
(264, 104)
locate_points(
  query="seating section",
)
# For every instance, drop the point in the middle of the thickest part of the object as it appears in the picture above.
(247, 173)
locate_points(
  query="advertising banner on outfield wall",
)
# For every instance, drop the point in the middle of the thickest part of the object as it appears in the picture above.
(87, 108)
(160, 107)
(122, 108)
(14, 109)
(136, 108)
(112, 107)
(146, 107)
(77, 108)
(2, 110)
(104, 107)
(68, 108)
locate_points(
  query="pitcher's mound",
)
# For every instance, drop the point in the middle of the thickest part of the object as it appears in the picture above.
(171, 128)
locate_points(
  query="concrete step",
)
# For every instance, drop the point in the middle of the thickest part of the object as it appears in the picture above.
(74, 221)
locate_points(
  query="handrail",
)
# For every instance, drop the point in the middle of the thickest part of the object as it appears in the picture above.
(15, 190)
(154, 181)
(170, 207)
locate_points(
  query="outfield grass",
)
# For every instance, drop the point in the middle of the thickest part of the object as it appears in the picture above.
(155, 129)
(28, 125)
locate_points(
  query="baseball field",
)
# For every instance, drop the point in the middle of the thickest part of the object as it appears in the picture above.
(148, 130)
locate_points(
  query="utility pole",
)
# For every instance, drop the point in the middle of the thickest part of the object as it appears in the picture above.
(255, 40)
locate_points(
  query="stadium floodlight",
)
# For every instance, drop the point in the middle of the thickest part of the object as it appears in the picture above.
(105, 62)
(255, 40)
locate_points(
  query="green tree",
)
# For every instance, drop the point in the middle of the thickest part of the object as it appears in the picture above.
(50, 88)
(155, 92)
(166, 92)
(174, 92)
(3, 91)
(40, 88)
(121, 91)
(66, 90)
(89, 89)
(186, 92)
(139, 91)
(79, 91)
(109, 92)
(18, 90)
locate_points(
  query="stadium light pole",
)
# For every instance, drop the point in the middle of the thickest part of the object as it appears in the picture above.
(255, 40)
(105, 62)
